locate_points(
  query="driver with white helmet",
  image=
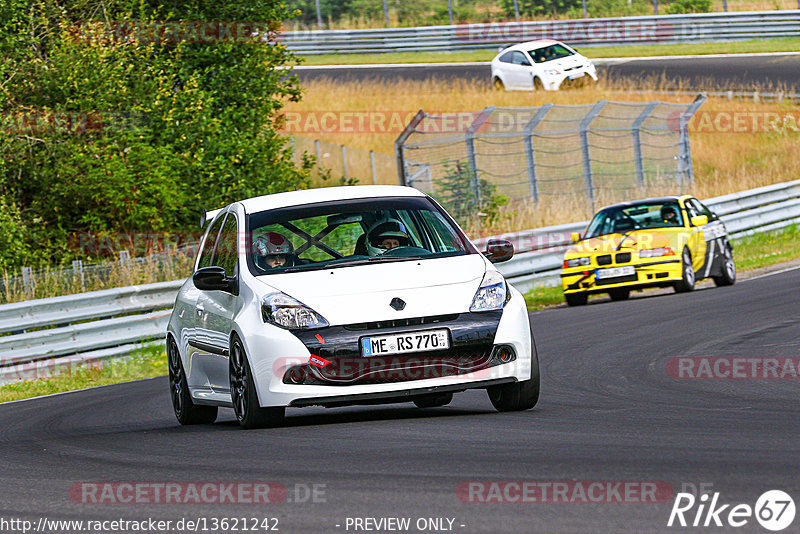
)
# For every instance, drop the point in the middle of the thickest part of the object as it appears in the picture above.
(386, 235)
(273, 250)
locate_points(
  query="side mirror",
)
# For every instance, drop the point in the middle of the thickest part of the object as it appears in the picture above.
(574, 237)
(699, 220)
(499, 250)
(213, 279)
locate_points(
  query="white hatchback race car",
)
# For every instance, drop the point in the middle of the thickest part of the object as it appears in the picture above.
(341, 296)
(541, 65)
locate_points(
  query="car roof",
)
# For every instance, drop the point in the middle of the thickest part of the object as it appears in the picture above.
(531, 45)
(326, 194)
(652, 200)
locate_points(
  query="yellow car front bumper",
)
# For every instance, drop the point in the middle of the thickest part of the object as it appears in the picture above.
(650, 272)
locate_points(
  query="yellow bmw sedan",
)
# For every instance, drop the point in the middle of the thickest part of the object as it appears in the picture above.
(655, 242)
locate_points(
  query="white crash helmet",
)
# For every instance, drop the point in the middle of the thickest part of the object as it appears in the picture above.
(383, 229)
(272, 244)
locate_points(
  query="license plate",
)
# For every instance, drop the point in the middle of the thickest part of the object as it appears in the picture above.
(615, 272)
(576, 76)
(405, 342)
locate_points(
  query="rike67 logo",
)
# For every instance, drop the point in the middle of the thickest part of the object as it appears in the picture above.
(774, 510)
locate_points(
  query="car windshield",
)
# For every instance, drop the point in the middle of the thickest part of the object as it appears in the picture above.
(351, 232)
(549, 53)
(618, 220)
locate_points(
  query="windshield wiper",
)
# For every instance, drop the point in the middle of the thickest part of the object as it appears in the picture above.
(366, 261)
(625, 236)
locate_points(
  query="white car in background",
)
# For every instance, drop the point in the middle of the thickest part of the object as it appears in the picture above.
(344, 295)
(541, 65)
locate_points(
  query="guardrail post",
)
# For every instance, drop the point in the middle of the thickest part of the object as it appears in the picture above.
(399, 146)
(685, 166)
(27, 279)
(77, 271)
(533, 123)
(583, 131)
(479, 121)
(637, 141)
(372, 166)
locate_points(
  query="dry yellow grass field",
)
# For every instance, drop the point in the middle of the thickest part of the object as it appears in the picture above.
(727, 157)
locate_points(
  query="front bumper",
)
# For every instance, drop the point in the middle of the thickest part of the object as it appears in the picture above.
(274, 353)
(648, 273)
(572, 78)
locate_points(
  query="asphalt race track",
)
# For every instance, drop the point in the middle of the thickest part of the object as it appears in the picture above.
(609, 411)
(741, 73)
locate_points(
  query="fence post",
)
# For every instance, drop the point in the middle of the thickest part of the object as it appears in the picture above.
(533, 123)
(294, 148)
(77, 271)
(637, 141)
(450, 10)
(655, 7)
(386, 12)
(27, 280)
(316, 147)
(319, 16)
(344, 161)
(587, 163)
(479, 121)
(372, 165)
(685, 152)
(399, 146)
(516, 10)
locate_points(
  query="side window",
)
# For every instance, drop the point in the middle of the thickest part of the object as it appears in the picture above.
(704, 210)
(506, 58)
(208, 246)
(227, 253)
(519, 59)
(693, 212)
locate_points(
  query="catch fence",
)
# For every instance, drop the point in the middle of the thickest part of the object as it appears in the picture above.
(602, 151)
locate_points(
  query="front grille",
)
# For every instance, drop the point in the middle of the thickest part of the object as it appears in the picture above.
(604, 259)
(395, 323)
(623, 257)
(394, 368)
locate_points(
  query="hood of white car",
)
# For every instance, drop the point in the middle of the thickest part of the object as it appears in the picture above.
(362, 293)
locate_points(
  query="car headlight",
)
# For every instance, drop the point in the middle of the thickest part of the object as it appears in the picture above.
(282, 310)
(577, 262)
(656, 252)
(552, 72)
(492, 293)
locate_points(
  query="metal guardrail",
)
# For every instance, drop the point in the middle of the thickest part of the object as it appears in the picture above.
(653, 29)
(41, 337)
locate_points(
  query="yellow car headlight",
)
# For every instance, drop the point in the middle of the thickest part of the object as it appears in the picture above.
(656, 252)
(577, 262)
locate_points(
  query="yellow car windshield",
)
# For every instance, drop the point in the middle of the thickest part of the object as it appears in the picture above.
(622, 219)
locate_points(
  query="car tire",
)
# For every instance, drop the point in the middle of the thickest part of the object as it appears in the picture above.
(186, 411)
(243, 392)
(537, 84)
(434, 400)
(728, 275)
(517, 396)
(499, 85)
(687, 273)
(619, 294)
(576, 299)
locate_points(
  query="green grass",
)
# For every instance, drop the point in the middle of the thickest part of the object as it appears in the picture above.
(149, 362)
(760, 250)
(754, 252)
(738, 47)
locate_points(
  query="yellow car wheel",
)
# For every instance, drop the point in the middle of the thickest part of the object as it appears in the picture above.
(576, 299)
(619, 294)
(689, 278)
(728, 275)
